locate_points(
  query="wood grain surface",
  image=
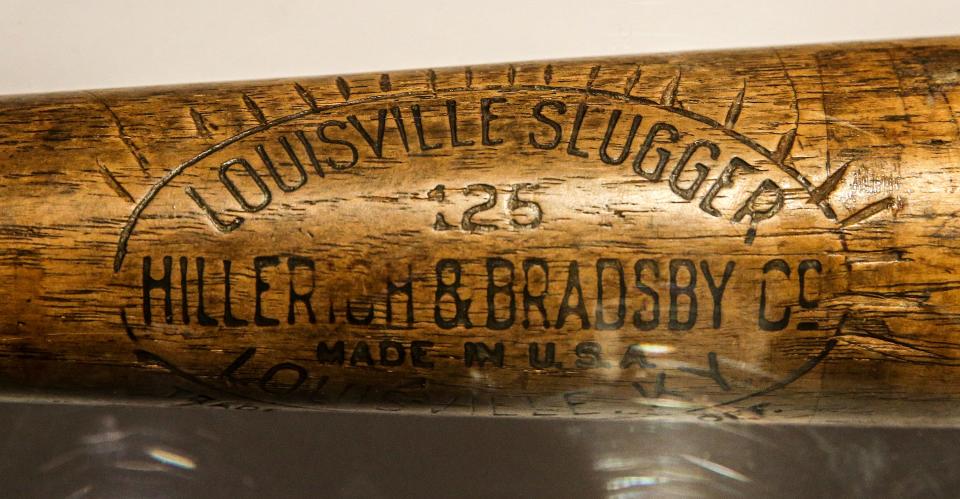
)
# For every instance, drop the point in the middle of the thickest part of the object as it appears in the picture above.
(761, 235)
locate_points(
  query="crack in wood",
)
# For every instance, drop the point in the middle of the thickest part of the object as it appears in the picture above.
(793, 88)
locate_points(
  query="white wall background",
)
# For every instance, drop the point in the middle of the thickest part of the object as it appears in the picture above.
(48, 46)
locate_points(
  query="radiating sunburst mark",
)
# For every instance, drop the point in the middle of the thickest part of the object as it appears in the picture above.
(344, 88)
(781, 156)
(784, 146)
(829, 185)
(122, 132)
(869, 211)
(126, 326)
(668, 99)
(254, 109)
(733, 114)
(592, 77)
(432, 80)
(632, 81)
(113, 183)
(385, 85)
(468, 77)
(200, 123)
(669, 96)
(306, 96)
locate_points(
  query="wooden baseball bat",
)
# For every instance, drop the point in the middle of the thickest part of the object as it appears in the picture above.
(753, 235)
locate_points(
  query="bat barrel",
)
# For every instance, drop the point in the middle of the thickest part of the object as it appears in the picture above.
(761, 234)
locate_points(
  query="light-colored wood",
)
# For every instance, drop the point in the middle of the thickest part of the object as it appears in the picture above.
(499, 240)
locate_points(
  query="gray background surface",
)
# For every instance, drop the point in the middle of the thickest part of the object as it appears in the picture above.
(112, 452)
(60, 451)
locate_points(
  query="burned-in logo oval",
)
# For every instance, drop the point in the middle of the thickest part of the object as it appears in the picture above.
(584, 250)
